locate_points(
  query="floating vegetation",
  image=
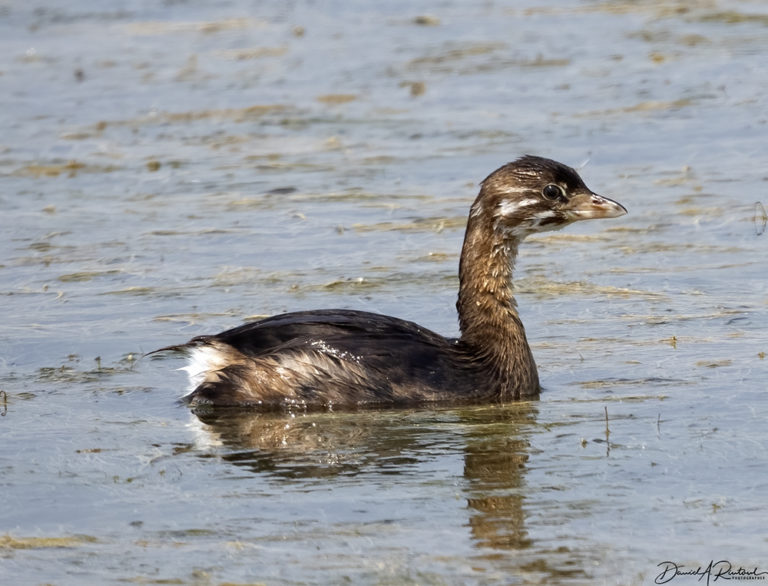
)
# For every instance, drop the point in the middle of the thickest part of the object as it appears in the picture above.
(640, 107)
(207, 27)
(9, 542)
(673, 9)
(541, 286)
(86, 275)
(138, 291)
(41, 246)
(192, 232)
(684, 176)
(159, 118)
(236, 276)
(714, 363)
(357, 283)
(568, 238)
(336, 98)
(439, 257)
(463, 59)
(687, 40)
(371, 199)
(190, 318)
(733, 17)
(426, 20)
(456, 53)
(71, 373)
(234, 114)
(254, 53)
(610, 383)
(56, 168)
(717, 314)
(657, 247)
(417, 87)
(389, 281)
(417, 225)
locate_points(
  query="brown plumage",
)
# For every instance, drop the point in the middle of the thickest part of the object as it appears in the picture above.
(330, 358)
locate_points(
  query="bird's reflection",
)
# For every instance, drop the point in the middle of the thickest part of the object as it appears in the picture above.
(494, 466)
(309, 447)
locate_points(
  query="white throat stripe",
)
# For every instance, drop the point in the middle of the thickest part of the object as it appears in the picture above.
(507, 208)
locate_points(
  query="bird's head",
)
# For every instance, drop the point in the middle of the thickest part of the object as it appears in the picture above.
(534, 194)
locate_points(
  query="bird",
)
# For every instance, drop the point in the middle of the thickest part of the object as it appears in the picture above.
(347, 359)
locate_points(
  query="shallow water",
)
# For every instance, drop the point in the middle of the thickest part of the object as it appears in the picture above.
(175, 168)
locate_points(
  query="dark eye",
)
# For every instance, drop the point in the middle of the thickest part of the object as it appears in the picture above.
(553, 192)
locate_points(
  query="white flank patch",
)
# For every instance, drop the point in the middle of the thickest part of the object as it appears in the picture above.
(507, 208)
(202, 360)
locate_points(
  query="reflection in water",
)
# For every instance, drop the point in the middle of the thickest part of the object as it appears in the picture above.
(317, 445)
(321, 446)
(494, 464)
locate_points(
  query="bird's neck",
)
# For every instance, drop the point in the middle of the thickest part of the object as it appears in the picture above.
(486, 304)
(491, 329)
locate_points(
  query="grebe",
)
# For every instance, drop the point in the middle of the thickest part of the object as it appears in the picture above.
(341, 358)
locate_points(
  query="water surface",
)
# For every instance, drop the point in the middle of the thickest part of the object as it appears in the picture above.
(177, 168)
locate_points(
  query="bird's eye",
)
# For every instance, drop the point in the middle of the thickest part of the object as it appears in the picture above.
(553, 192)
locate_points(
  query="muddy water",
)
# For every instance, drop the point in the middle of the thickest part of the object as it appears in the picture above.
(173, 169)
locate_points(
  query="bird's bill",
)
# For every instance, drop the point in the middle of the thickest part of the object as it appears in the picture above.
(590, 206)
